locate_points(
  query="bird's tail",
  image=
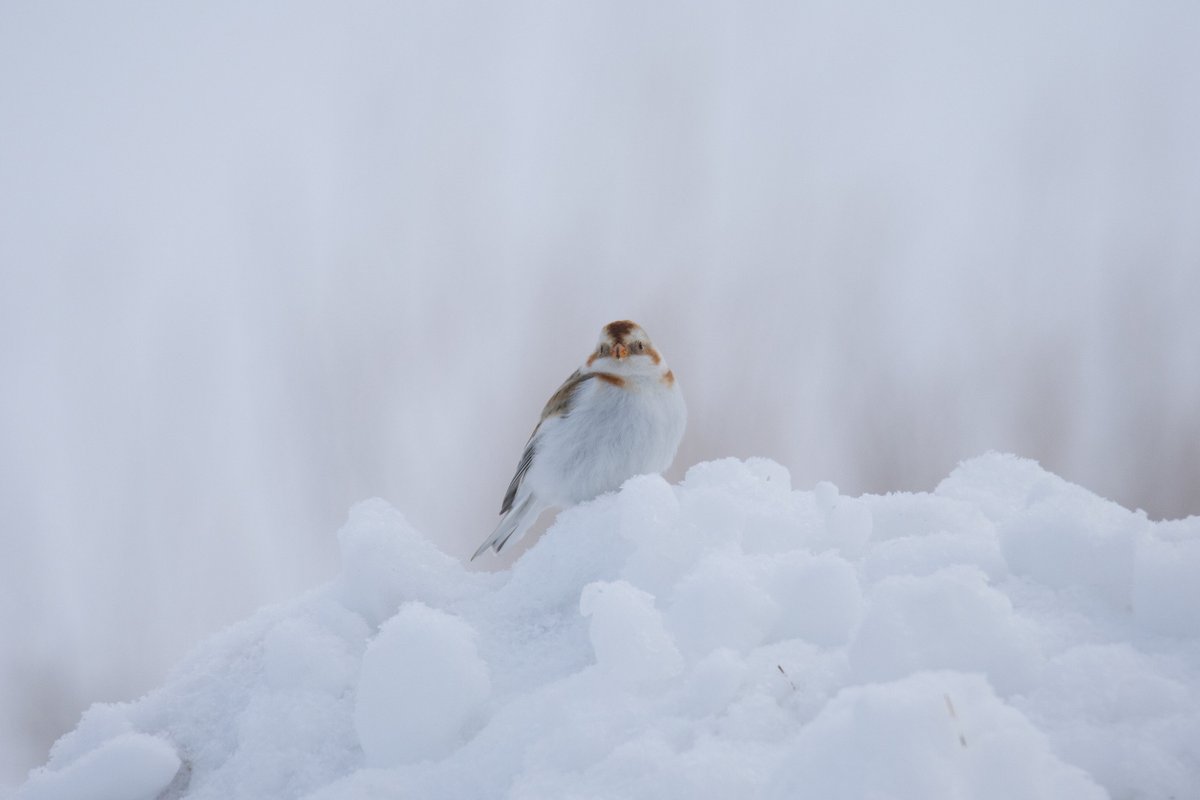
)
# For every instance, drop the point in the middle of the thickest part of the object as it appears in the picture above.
(513, 525)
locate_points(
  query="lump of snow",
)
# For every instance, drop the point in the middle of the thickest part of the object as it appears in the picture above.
(422, 681)
(713, 683)
(627, 633)
(647, 504)
(818, 596)
(721, 604)
(848, 521)
(1073, 539)
(385, 562)
(952, 619)
(132, 766)
(999, 484)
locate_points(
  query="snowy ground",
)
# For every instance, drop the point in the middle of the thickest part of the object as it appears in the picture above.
(1009, 635)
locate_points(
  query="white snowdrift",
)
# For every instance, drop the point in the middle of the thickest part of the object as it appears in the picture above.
(1009, 635)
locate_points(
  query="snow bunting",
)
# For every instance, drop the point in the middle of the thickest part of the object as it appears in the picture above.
(621, 414)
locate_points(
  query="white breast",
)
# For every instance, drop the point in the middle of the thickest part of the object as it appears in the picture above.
(611, 434)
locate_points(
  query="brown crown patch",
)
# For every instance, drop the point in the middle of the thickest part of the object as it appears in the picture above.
(618, 330)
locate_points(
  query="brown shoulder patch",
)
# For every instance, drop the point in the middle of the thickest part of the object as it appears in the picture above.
(669, 378)
(608, 377)
(560, 402)
(620, 329)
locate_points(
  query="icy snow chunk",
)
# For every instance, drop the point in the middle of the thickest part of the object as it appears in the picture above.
(719, 496)
(1000, 485)
(727, 474)
(771, 473)
(647, 505)
(713, 683)
(849, 522)
(714, 518)
(132, 766)
(826, 494)
(649, 519)
(1074, 539)
(1166, 578)
(949, 620)
(818, 596)
(385, 562)
(422, 682)
(99, 724)
(721, 604)
(627, 633)
(930, 736)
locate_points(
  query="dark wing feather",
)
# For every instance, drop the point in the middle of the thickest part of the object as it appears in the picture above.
(522, 468)
(559, 405)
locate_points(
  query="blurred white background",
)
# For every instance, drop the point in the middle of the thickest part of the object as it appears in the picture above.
(262, 260)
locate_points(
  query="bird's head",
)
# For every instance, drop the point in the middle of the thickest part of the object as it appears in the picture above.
(624, 348)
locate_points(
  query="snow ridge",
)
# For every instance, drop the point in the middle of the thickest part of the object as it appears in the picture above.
(1007, 635)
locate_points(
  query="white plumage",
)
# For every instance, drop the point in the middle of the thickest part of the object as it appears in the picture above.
(621, 414)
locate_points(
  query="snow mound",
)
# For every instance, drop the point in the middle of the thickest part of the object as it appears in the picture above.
(1007, 635)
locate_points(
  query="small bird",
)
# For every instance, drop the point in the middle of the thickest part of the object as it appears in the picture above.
(621, 414)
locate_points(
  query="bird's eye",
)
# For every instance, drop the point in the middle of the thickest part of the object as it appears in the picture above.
(604, 350)
(638, 346)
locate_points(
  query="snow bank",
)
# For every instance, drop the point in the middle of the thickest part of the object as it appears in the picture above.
(1008, 635)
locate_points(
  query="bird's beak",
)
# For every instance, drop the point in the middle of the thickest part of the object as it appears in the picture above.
(619, 351)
